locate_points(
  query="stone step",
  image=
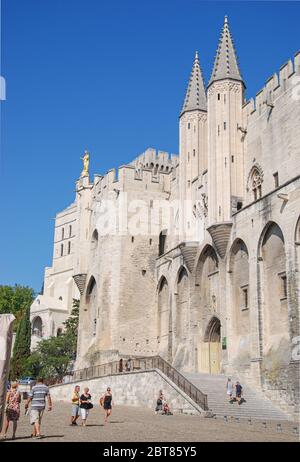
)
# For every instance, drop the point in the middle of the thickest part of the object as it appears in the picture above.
(255, 407)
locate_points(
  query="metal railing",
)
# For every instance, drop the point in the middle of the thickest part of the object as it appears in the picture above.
(143, 364)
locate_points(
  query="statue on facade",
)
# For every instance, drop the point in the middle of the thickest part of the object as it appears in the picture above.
(86, 161)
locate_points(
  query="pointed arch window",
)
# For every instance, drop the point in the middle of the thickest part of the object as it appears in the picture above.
(256, 180)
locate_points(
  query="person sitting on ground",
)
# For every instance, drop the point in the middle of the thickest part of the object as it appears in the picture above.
(166, 409)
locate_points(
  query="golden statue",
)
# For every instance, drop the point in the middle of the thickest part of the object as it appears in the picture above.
(86, 161)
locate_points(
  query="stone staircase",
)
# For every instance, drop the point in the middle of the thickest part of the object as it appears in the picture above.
(255, 407)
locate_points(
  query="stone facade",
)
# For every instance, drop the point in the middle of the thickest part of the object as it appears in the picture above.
(52, 307)
(196, 257)
(133, 389)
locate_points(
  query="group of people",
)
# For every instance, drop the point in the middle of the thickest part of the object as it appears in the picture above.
(127, 367)
(37, 401)
(230, 387)
(81, 405)
(37, 398)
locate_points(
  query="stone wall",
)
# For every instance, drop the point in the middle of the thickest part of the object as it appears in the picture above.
(132, 389)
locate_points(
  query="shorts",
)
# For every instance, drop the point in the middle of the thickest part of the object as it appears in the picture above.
(84, 413)
(75, 410)
(36, 416)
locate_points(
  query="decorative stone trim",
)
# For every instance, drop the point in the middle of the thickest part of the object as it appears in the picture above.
(220, 234)
(189, 253)
(80, 280)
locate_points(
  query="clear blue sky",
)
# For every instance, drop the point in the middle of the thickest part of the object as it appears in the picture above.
(110, 77)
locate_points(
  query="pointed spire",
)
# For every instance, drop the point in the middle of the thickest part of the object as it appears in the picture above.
(226, 63)
(195, 97)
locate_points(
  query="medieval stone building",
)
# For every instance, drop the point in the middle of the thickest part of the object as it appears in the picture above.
(193, 257)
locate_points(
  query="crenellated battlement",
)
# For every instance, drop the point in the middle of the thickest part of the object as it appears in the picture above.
(159, 161)
(150, 168)
(274, 87)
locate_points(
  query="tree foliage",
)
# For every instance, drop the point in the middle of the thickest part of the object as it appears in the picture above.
(53, 357)
(21, 349)
(15, 299)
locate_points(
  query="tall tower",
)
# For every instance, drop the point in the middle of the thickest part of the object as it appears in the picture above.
(192, 144)
(225, 153)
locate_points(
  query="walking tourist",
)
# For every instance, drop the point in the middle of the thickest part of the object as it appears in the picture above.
(238, 392)
(106, 401)
(37, 398)
(13, 399)
(85, 405)
(75, 405)
(229, 388)
(129, 365)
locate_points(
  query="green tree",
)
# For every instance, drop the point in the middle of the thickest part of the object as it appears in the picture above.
(54, 356)
(15, 299)
(71, 325)
(21, 349)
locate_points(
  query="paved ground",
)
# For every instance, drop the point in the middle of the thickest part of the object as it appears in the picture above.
(135, 424)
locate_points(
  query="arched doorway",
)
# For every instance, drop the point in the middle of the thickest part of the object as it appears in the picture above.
(91, 302)
(37, 327)
(164, 321)
(210, 351)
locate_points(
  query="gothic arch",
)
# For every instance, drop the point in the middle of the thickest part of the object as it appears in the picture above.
(94, 240)
(162, 242)
(213, 330)
(262, 239)
(207, 281)
(208, 252)
(239, 307)
(161, 281)
(237, 245)
(37, 326)
(297, 232)
(182, 303)
(273, 287)
(255, 169)
(255, 181)
(91, 300)
(91, 288)
(164, 326)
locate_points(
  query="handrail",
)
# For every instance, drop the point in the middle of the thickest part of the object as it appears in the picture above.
(145, 363)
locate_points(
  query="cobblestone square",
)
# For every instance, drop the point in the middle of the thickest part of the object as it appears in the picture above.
(133, 424)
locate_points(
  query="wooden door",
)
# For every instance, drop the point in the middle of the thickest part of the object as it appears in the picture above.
(203, 357)
(214, 357)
